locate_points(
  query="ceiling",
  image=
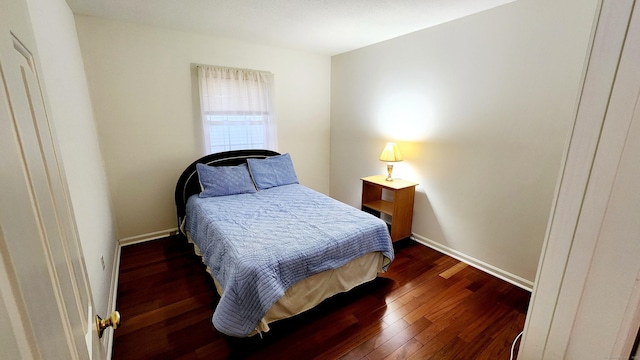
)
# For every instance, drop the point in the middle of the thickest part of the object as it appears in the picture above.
(326, 27)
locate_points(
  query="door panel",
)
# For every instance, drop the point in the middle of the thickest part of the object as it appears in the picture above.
(13, 340)
(48, 152)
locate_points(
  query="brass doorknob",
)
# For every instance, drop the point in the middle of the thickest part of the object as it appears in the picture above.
(113, 320)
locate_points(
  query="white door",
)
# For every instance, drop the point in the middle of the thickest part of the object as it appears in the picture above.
(45, 300)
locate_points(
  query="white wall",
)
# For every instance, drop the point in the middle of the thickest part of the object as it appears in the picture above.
(141, 87)
(480, 108)
(63, 77)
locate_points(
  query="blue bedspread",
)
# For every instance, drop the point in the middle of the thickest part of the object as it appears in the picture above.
(257, 245)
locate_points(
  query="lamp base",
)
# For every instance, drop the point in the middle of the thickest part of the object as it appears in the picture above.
(389, 171)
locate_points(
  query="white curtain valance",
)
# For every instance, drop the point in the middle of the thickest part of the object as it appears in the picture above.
(237, 108)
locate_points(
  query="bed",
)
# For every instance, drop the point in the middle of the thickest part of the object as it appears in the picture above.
(274, 248)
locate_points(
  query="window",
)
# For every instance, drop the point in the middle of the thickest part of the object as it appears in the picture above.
(237, 109)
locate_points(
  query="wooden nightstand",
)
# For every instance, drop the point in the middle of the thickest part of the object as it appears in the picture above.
(399, 205)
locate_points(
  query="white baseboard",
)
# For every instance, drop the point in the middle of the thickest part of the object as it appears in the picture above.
(147, 237)
(490, 269)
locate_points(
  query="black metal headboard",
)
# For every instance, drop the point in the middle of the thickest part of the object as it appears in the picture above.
(189, 183)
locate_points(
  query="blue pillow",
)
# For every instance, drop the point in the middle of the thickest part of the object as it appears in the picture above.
(273, 171)
(224, 180)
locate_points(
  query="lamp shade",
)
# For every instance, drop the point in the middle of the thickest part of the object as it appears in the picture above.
(391, 153)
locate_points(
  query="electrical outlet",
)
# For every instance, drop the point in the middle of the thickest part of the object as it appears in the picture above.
(102, 262)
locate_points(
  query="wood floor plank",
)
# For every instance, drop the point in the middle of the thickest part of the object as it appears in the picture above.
(453, 270)
(446, 300)
(427, 350)
(351, 338)
(450, 350)
(427, 306)
(399, 340)
(406, 350)
(377, 341)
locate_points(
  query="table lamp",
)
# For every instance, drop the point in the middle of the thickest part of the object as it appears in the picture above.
(390, 154)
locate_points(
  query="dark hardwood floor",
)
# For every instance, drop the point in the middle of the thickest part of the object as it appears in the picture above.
(427, 306)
